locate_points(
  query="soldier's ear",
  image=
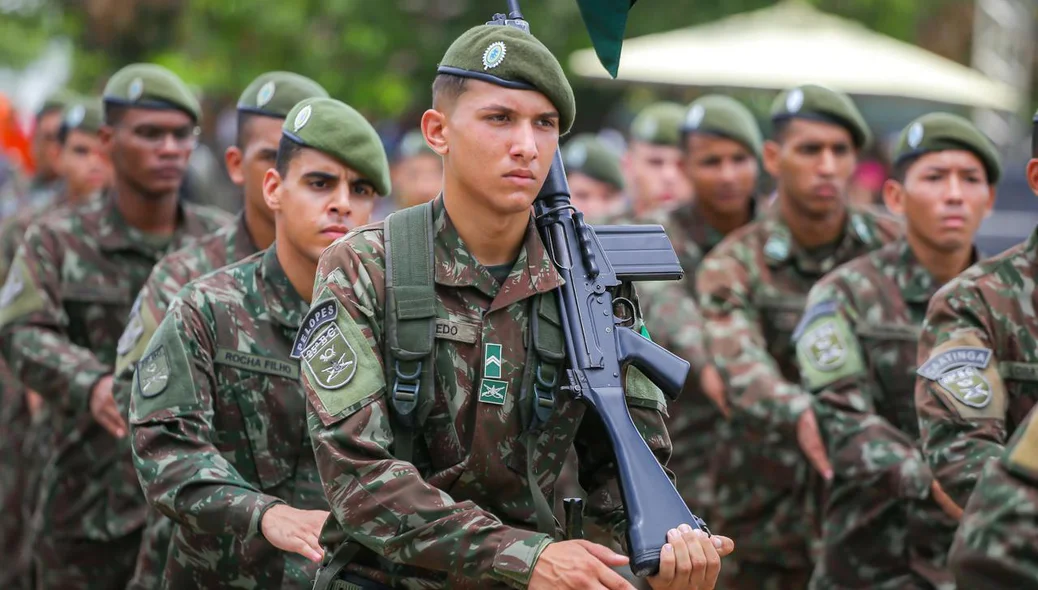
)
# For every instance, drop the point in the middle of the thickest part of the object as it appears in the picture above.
(233, 158)
(272, 182)
(894, 196)
(434, 128)
(106, 134)
(772, 150)
(1032, 175)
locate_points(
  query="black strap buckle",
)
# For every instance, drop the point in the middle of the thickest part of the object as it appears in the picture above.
(406, 389)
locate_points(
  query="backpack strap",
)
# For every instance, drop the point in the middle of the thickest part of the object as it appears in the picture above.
(410, 319)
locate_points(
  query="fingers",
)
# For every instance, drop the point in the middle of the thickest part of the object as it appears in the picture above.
(605, 554)
(713, 387)
(713, 560)
(109, 418)
(681, 557)
(944, 501)
(724, 545)
(668, 566)
(612, 580)
(811, 444)
(302, 547)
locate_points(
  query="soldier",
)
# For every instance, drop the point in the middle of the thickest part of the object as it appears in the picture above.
(652, 163)
(995, 546)
(856, 348)
(218, 414)
(596, 182)
(445, 500)
(65, 304)
(46, 149)
(721, 144)
(261, 111)
(24, 421)
(417, 171)
(753, 288)
(978, 364)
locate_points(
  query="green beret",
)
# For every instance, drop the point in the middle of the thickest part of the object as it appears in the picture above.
(57, 101)
(336, 129)
(509, 57)
(150, 86)
(275, 93)
(659, 123)
(817, 103)
(937, 132)
(87, 116)
(413, 144)
(716, 114)
(587, 155)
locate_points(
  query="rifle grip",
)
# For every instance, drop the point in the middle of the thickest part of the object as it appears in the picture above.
(667, 370)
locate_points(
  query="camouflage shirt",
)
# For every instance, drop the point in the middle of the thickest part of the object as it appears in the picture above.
(753, 288)
(461, 514)
(996, 547)
(856, 348)
(62, 311)
(218, 425)
(978, 366)
(230, 244)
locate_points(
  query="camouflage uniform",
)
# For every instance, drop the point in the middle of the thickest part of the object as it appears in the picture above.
(856, 349)
(461, 514)
(996, 547)
(753, 288)
(230, 244)
(218, 421)
(978, 359)
(62, 310)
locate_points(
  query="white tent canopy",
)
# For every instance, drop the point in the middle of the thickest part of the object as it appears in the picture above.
(792, 43)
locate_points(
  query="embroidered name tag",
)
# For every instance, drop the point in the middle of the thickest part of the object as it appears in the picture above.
(456, 331)
(256, 363)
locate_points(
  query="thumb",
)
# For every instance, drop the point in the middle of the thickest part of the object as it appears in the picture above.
(944, 501)
(811, 444)
(724, 545)
(604, 554)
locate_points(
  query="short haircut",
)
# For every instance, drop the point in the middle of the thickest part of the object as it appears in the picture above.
(242, 136)
(288, 149)
(779, 128)
(114, 113)
(63, 132)
(1034, 139)
(446, 88)
(901, 167)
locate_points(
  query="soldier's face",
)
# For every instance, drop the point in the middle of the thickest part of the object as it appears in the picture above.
(723, 173)
(655, 177)
(813, 165)
(45, 146)
(944, 198)
(417, 179)
(317, 202)
(247, 165)
(596, 199)
(498, 144)
(84, 165)
(150, 149)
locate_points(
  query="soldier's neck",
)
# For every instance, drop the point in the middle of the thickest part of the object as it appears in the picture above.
(261, 231)
(943, 265)
(724, 223)
(299, 269)
(490, 237)
(153, 214)
(811, 231)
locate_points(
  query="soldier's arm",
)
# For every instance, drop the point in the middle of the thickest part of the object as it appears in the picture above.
(959, 437)
(862, 445)
(757, 391)
(674, 321)
(382, 502)
(181, 471)
(33, 327)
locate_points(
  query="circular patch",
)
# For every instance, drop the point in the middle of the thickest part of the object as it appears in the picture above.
(795, 100)
(968, 386)
(825, 347)
(695, 117)
(75, 116)
(576, 156)
(301, 118)
(494, 55)
(135, 90)
(265, 94)
(915, 135)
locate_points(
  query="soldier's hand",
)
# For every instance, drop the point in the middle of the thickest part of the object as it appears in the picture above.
(691, 560)
(810, 439)
(104, 408)
(945, 501)
(578, 565)
(34, 402)
(713, 387)
(293, 530)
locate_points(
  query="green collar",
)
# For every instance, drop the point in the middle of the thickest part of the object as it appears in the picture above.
(283, 301)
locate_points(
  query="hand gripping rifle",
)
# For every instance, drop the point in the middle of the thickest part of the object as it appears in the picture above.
(594, 262)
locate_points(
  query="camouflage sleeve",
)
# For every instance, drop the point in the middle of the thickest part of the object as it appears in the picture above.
(34, 327)
(996, 546)
(11, 231)
(148, 311)
(862, 445)
(960, 428)
(674, 321)
(382, 502)
(181, 471)
(757, 391)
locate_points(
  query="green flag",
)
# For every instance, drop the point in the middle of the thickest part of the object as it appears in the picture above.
(605, 21)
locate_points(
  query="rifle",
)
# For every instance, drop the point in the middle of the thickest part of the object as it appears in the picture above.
(594, 262)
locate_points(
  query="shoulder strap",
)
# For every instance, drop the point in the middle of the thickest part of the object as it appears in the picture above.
(410, 316)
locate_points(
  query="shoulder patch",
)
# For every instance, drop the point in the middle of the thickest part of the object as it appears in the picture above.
(153, 372)
(320, 314)
(953, 358)
(965, 378)
(134, 329)
(827, 349)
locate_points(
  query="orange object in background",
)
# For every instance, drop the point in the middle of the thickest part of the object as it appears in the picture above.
(14, 143)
